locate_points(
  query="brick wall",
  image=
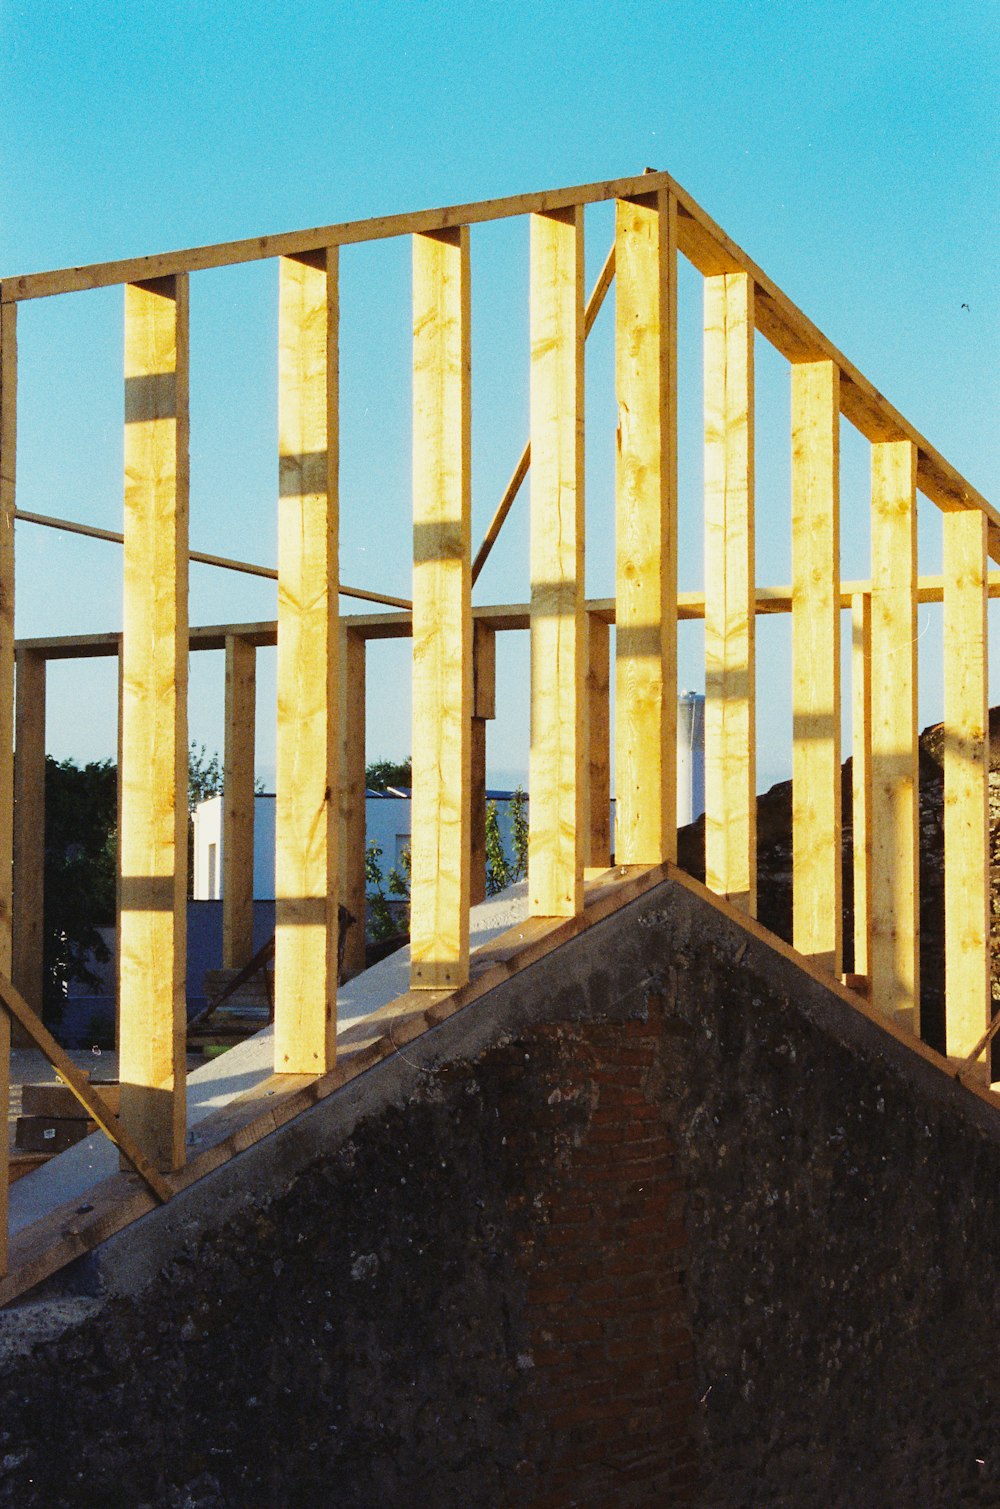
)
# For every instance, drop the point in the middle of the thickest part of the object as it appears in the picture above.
(609, 1387)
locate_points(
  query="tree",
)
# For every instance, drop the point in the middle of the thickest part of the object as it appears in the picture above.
(382, 774)
(81, 857)
(81, 852)
(205, 775)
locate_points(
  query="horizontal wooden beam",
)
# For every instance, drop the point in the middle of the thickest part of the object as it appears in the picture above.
(344, 233)
(498, 616)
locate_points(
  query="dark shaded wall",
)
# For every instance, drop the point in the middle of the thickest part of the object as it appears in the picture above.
(659, 1221)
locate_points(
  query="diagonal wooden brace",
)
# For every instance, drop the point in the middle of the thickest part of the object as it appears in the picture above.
(75, 1080)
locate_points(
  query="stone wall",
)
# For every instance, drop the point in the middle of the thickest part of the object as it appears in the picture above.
(660, 1220)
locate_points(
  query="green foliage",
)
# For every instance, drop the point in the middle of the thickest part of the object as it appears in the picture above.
(81, 847)
(383, 923)
(382, 774)
(205, 775)
(519, 833)
(498, 869)
(501, 871)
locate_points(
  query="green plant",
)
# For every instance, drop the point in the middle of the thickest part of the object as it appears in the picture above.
(382, 924)
(498, 868)
(519, 833)
(81, 845)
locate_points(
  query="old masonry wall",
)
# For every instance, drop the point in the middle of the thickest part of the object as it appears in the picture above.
(661, 1219)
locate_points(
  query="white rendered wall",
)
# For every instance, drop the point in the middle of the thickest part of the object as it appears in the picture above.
(387, 815)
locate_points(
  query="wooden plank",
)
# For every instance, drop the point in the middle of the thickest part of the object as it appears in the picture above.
(499, 616)
(59, 1100)
(646, 531)
(154, 814)
(484, 670)
(599, 740)
(8, 461)
(817, 926)
(558, 840)
(29, 826)
(119, 788)
(224, 561)
(968, 1005)
(442, 612)
(316, 238)
(895, 954)
(730, 754)
(115, 1127)
(592, 310)
(238, 803)
(700, 239)
(308, 744)
(861, 775)
(351, 842)
(484, 708)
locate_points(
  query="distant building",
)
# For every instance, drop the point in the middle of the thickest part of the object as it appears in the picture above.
(387, 814)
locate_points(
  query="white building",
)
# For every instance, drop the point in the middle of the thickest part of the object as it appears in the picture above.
(387, 814)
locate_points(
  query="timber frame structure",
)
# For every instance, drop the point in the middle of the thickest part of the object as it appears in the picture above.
(321, 666)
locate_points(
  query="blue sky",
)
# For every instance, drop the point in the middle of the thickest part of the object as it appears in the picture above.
(851, 149)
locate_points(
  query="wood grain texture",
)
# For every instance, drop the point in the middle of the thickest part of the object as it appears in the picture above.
(308, 745)
(599, 740)
(966, 784)
(895, 953)
(29, 827)
(154, 815)
(442, 612)
(730, 734)
(593, 308)
(646, 530)
(238, 802)
(558, 764)
(861, 775)
(351, 842)
(8, 459)
(817, 926)
(701, 240)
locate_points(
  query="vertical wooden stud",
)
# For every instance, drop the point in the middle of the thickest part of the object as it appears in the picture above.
(599, 740)
(646, 530)
(817, 929)
(861, 775)
(119, 788)
(29, 826)
(895, 956)
(154, 812)
(730, 734)
(966, 784)
(352, 837)
(442, 612)
(238, 802)
(558, 766)
(8, 449)
(308, 744)
(484, 697)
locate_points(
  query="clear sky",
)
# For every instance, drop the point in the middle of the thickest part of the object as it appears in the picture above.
(851, 149)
